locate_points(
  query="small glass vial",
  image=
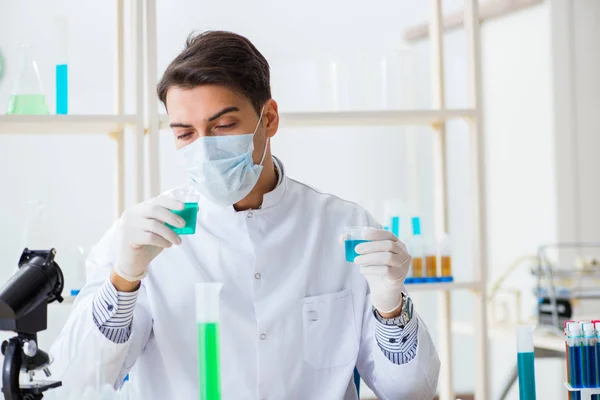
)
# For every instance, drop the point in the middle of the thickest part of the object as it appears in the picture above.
(431, 258)
(446, 255)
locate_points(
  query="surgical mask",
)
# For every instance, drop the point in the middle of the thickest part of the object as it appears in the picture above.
(221, 167)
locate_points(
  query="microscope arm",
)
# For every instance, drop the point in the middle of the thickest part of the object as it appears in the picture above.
(11, 368)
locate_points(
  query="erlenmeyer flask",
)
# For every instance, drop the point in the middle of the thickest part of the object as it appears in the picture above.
(28, 95)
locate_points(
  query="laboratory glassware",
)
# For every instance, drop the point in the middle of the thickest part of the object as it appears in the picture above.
(446, 258)
(575, 359)
(589, 355)
(28, 95)
(417, 250)
(62, 66)
(353, 236)
(207, 322)
(189, 212)
(525, 363)
(431, 257)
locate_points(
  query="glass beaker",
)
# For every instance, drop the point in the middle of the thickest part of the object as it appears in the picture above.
(189, 212)
(353, 236)
(207, 321)
(28, 95)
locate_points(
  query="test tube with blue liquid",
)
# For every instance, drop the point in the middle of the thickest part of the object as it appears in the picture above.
(208, 323)
(574, 350)
(525, 363)
(353, 236)
(417, 252)
(62, 66)
(590, 368)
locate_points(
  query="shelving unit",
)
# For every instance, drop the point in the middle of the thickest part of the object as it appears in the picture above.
(71, 124)
(115, 125)
(364, 118)
(432, 287)
(436, 118)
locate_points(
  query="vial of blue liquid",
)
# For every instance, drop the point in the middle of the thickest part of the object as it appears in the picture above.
(589, 361)
(353, 236)
(574, 349)
(525, 363)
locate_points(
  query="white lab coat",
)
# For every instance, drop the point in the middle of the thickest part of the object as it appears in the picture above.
(276, 264)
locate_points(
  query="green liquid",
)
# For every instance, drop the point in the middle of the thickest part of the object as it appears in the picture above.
(525, 364)
(27, 104)
(189, 215)
(209, 375)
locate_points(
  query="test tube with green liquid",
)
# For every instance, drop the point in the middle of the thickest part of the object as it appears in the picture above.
(207, 322)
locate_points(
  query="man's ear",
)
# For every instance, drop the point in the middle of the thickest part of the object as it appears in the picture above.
(271, 118)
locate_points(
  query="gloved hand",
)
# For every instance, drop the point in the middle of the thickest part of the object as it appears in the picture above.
(142, 235)
(384, 262)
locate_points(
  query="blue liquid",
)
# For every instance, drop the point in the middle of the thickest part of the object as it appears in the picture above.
(577, 396)
(350, 246)
(575, 367)
(589, 366)
(526, 376)
(396, 226)
(598, 366)
(62, 89)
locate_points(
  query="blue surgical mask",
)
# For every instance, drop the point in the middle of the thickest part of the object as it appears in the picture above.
(221, 167)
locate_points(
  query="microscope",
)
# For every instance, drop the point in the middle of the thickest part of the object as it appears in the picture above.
(24, 303)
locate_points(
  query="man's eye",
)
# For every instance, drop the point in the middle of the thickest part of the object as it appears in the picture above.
(185, 135)
(225, 126)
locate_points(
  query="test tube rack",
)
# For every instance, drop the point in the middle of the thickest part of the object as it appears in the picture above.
(429, 279)
(586, 393)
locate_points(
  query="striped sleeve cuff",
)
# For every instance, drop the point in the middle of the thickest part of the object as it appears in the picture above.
(113, 312)
(398, 345)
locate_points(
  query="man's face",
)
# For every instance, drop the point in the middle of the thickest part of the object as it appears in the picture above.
(211, 110)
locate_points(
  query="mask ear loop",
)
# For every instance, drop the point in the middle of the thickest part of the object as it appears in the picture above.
(267, 142)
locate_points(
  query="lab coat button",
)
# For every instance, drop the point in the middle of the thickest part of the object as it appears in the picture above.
(249, 214)
(263, 336)
(257, 276)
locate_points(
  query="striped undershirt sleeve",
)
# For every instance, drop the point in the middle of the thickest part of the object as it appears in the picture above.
(113, 312)
(399, 345)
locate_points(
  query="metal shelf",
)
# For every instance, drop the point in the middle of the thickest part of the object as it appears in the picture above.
(364, 118)
(432, 287)
(72, 124)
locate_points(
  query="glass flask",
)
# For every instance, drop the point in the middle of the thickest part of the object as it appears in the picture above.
(28, 95)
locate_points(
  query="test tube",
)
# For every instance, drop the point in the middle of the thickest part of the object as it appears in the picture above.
(416, 249)
(430, 258)
(589, 355)
(62, 66)
(525, 363)
(574, 350)
(446, 258)
(207, 321)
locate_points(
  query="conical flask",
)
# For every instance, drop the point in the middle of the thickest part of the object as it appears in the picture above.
(28, 95)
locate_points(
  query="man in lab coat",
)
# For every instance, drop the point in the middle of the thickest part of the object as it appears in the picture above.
(296, 318)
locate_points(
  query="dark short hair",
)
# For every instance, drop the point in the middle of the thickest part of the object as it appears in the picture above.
(219, 58)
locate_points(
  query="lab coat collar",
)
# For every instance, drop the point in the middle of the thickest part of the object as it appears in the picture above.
(270, 199)
(273, 198)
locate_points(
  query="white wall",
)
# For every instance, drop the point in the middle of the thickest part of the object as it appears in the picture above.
(369, 165)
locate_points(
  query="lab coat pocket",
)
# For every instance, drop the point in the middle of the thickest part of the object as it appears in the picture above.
(330, 337)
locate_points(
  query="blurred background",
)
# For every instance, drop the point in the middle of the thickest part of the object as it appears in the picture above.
(540, 98)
